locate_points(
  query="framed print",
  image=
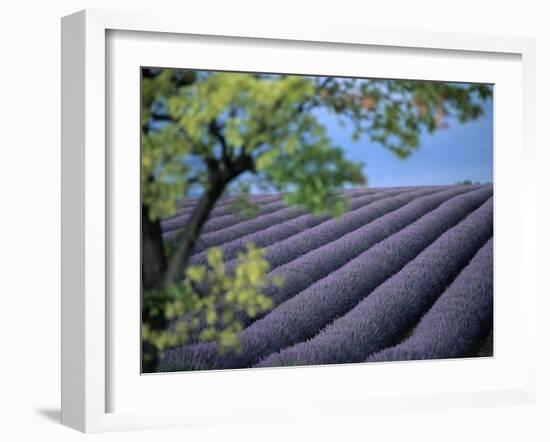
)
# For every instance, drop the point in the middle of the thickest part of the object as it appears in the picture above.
(262, 246)
(277, 223)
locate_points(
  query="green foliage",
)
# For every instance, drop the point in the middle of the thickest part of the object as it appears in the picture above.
(395, 112)
(219, 117)
(162, 171)
(212, 316)
(163, 152)
(310, 175)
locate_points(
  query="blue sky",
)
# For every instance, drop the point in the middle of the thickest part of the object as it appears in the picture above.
(460, 152)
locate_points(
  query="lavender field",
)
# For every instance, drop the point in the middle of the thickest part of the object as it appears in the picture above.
(405, 274)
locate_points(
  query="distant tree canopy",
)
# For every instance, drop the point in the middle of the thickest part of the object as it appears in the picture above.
(203, 130)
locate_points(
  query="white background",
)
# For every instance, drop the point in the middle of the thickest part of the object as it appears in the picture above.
(266, 389)
(30, 219)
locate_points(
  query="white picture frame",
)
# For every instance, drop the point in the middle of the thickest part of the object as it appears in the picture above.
(87, 206)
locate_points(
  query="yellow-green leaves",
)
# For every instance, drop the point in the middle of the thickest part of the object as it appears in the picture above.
(163, 170)
(239, 291)
(235, 131)
(212, 315)
(228, 340)
(260, 115)
(196, 273)
(266, 159)
(292, 144)
(214, 257)
(274, 119)
(163, 339)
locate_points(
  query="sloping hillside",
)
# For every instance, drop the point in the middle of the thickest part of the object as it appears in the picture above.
(407, 273)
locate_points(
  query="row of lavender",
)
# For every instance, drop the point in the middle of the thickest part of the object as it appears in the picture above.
(413, 262)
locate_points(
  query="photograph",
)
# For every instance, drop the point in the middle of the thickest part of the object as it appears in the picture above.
(292, 220)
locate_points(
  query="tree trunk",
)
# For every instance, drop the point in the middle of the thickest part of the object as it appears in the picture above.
(153, 267)
(153, 258)
(160, 275)
(157, 272)
(219, 177)
(180, 258)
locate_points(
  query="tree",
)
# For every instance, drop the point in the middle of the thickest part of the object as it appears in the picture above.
(204, 130)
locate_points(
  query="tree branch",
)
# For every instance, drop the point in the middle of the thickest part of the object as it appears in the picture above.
(218, 179)
(193, 180)
(216, 131)
(162, 117)
(325, 82)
